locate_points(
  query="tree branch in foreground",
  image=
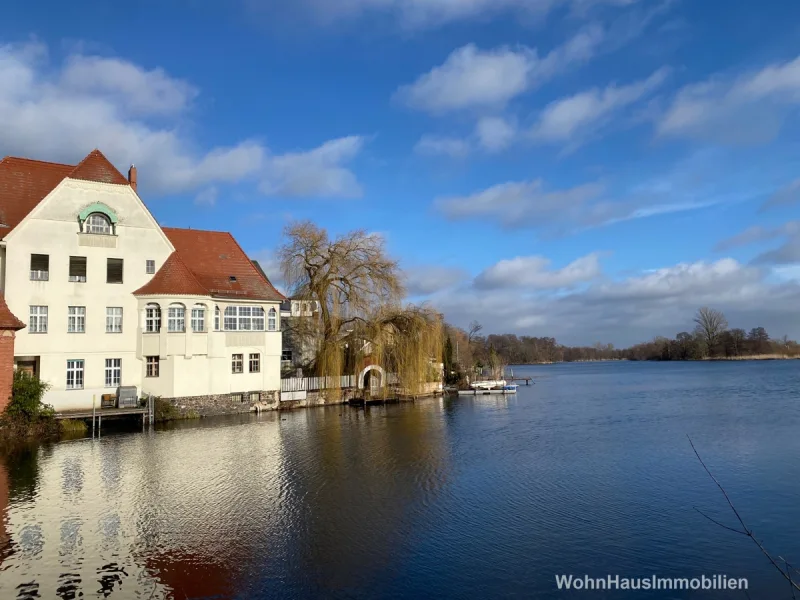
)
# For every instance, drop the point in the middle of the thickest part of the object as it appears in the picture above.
(745, 529)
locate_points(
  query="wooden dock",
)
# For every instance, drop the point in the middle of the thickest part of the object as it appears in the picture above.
(527, 380)
(96, 414)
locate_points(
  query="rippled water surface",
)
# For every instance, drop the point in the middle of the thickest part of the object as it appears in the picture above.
(586, 472)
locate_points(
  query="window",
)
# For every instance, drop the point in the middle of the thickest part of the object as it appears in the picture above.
(258, 318)
(286, 355)
(255, 396)
(244, 318)
(152, 366)
(37, 322)
(176, 319)
(75, 374)
(113, 372)
(237, 397)
(152, 318)
(255, 363)
(273, 320)
(40, 267)
(77, 269)
(216, 318)
(114, 270)
(76, 319)
(199, 319)
(113, 319)
(98, 223)
(237, 363)
(150, 267)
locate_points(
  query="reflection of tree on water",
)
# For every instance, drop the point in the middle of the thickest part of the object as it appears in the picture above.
(362, 483)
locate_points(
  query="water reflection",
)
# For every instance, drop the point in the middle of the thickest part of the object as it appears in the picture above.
(472, 496)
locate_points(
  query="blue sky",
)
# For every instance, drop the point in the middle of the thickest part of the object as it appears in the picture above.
(594, 170)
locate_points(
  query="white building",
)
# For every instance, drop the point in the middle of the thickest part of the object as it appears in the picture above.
(111, 298)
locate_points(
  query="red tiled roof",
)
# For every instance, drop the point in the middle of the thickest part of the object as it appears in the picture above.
(25, 182)
(96, 167)
(7, 319)
(216, 263)
(174, 277)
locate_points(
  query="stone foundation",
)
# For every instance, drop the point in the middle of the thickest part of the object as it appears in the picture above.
(223, 404)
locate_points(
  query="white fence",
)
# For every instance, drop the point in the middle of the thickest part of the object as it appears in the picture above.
(312, 384)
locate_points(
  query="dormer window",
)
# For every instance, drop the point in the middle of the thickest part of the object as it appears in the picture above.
(98, 223)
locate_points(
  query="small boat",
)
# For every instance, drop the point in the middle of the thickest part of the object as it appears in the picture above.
(488, 384)
(497, 387)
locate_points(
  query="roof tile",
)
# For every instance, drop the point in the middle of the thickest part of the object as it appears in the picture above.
(174, 277)
(8, 320)
(216, 262)
(96, 167)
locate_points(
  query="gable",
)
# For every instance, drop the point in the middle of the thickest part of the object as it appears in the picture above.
(24, 183)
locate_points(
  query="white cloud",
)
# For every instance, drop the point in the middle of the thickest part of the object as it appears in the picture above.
(495, 133)
(527, 204)
(472, 78)
(418, 14)
(207, 197)
(534, 272)
(757, 233)
(433, 145)
(128, 85)
(787, 195)
(749, 109)
(635, 309)
(572, 119)
(319, 172)
(136, 115)
(425, 280)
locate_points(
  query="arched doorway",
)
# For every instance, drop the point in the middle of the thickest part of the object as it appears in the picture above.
(371, 379)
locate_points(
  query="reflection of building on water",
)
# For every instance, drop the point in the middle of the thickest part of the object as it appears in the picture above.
(323, 497)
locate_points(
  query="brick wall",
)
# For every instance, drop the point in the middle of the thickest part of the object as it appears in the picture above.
(6, 366)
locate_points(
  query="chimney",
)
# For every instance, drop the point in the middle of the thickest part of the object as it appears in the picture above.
(132, 177)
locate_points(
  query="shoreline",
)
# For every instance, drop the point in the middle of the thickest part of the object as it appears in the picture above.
(759, 357)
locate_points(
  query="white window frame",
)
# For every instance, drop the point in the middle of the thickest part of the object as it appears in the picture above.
(113, 372)
(217, 313)
(237, 364)
(75, 374)
(76, 319)
(176, 318)
(98, 224)
(254, 359)
(243, 318)
(114, 319)
(37, 319)
(150, 266)
(152, 318)
(272, 320)
(199, 318)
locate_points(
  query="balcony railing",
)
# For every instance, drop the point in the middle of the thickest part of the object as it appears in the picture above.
(40, 275)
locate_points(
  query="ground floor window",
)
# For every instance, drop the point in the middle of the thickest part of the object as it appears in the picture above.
(255, 397)
(286, 355)
(237, 397)
(237, 363)
(113, 372)
(152, 366)
(75, 374)
(255, 363)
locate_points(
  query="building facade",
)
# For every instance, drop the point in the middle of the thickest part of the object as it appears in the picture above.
(112, 299)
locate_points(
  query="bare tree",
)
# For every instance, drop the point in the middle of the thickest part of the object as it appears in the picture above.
(474, 329)
(349, 276)
(711, 324)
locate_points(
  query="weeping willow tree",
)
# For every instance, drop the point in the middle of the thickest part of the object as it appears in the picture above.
(358, 290)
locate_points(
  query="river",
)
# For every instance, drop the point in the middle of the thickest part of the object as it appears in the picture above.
(588, 471)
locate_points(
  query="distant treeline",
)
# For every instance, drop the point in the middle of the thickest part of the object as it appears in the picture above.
(711, 339)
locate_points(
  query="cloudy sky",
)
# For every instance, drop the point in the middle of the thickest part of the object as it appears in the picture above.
(593, 170)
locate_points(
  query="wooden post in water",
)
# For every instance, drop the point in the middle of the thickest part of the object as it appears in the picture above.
(94, 398)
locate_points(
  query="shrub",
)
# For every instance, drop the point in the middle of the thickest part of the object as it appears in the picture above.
(26, 398)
